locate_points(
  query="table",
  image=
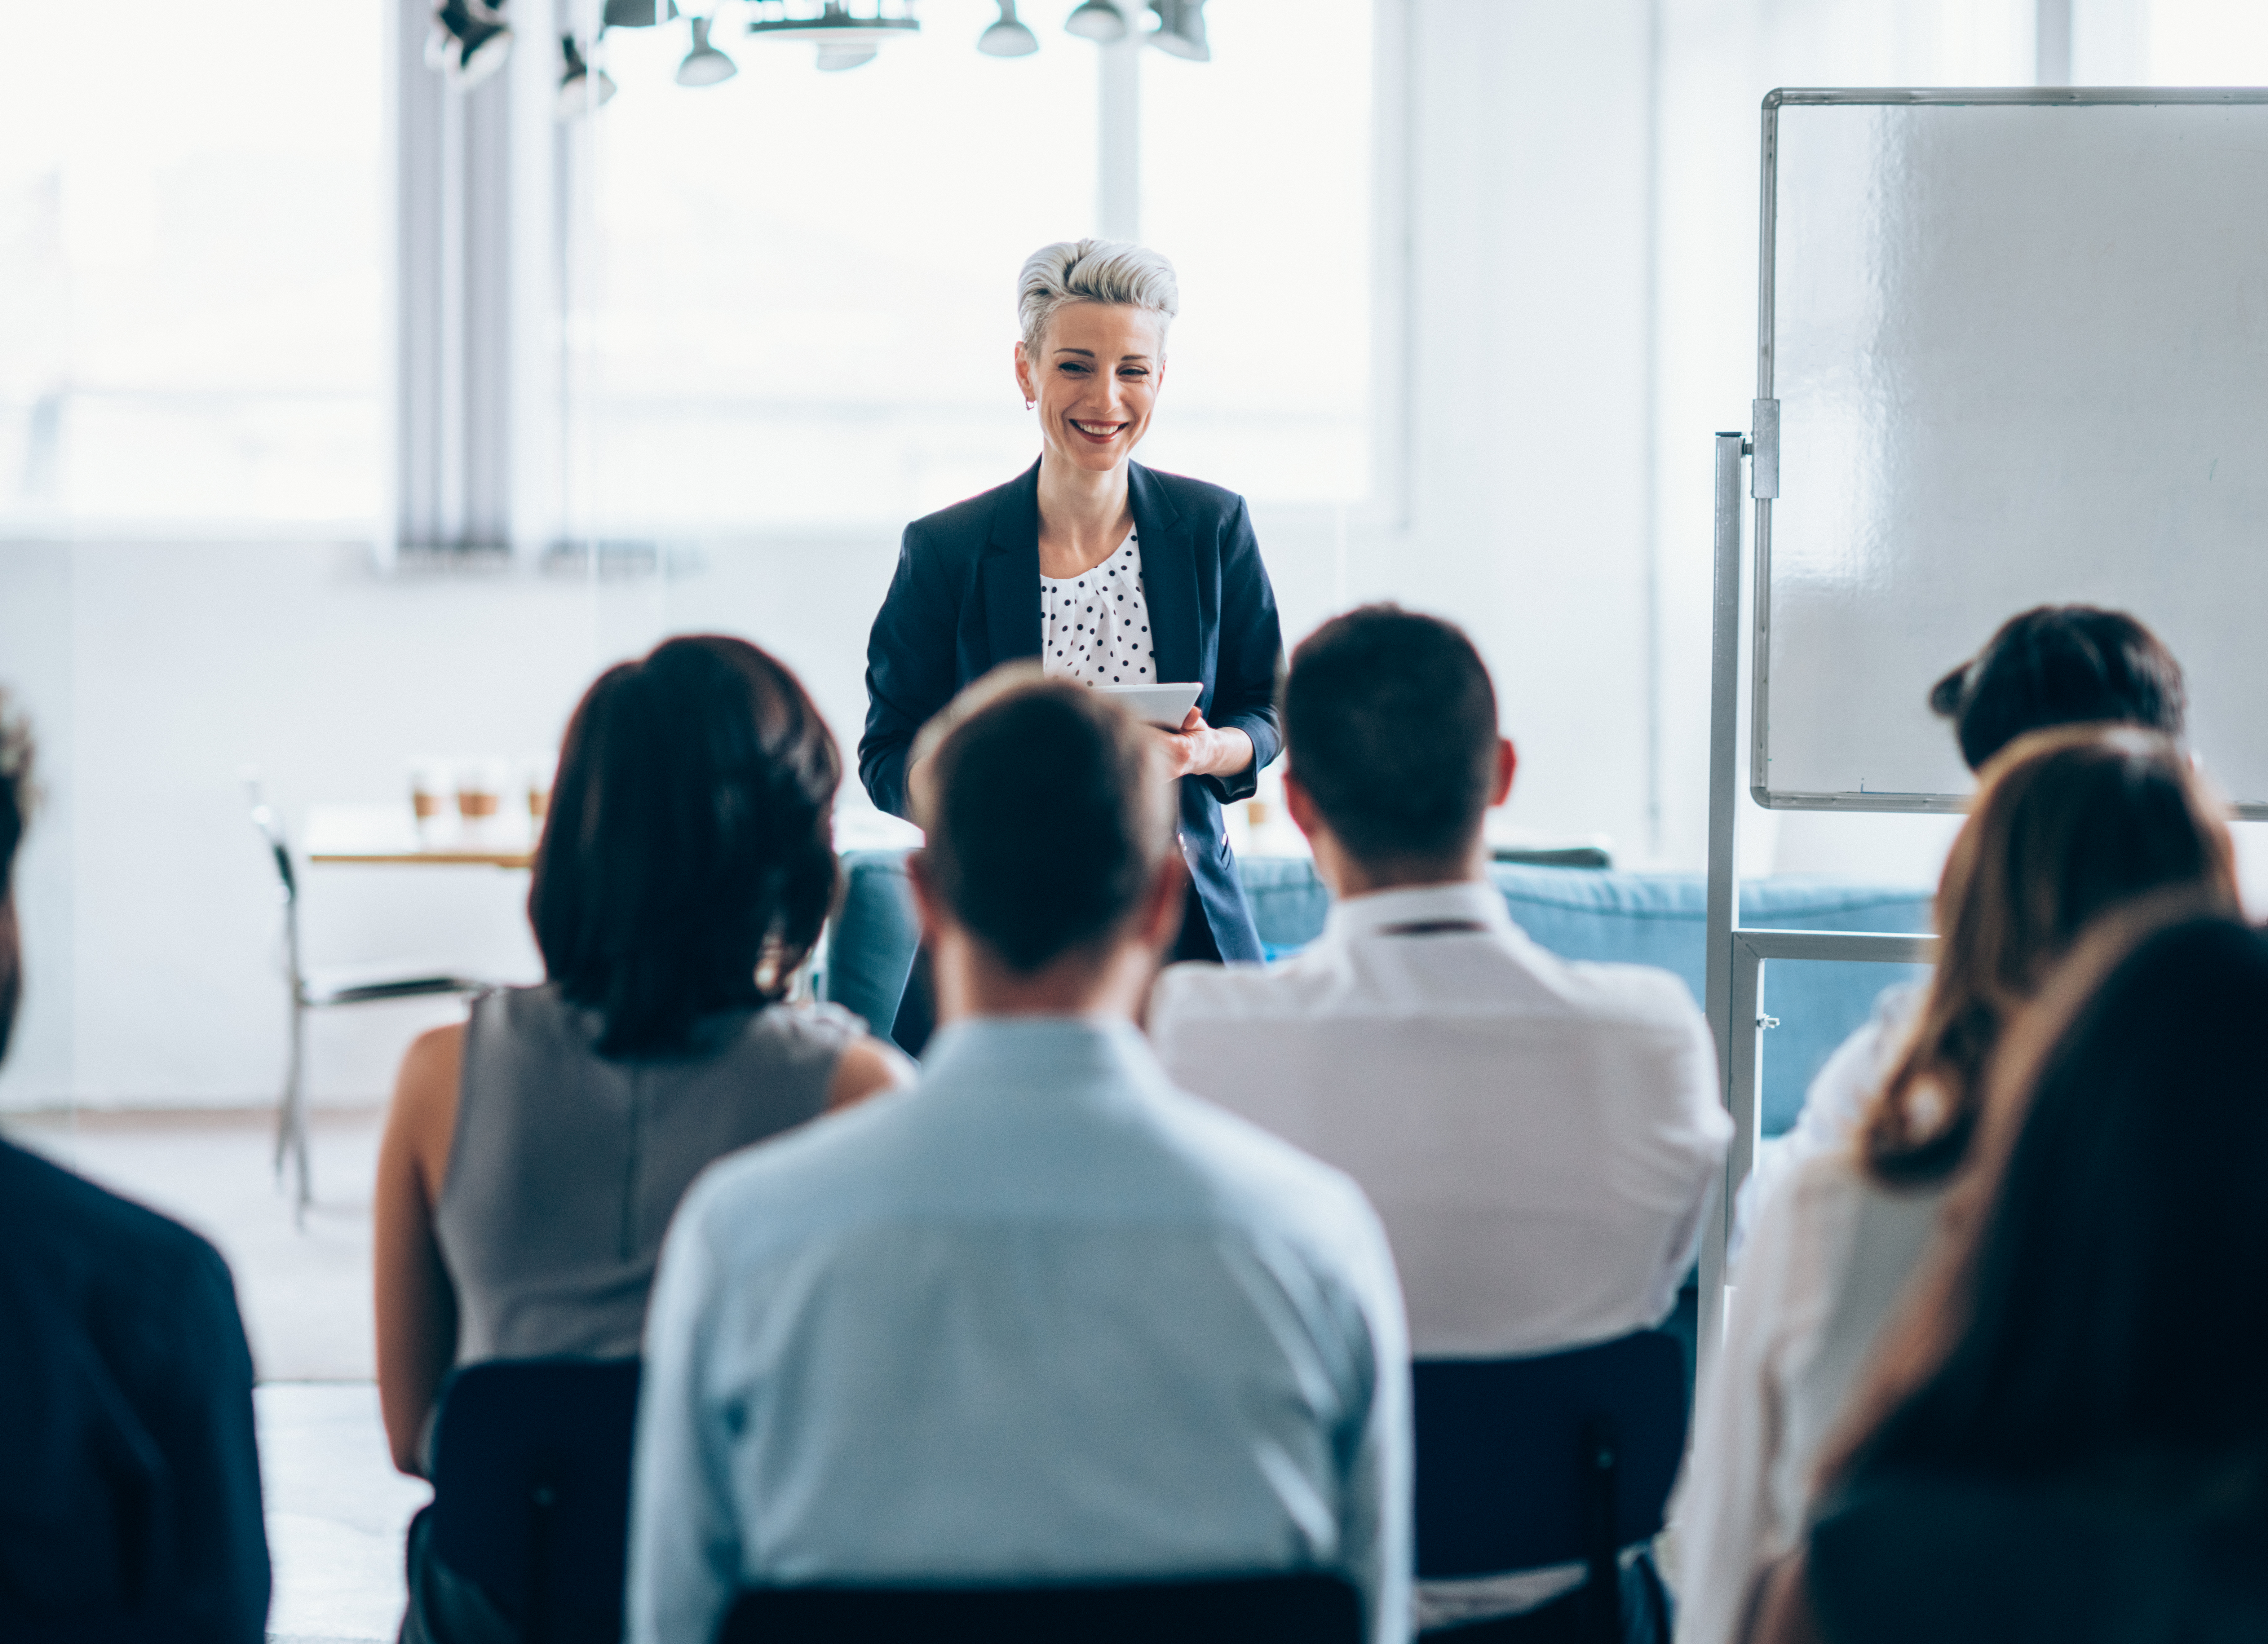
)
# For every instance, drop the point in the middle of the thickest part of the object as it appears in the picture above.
(390, 836)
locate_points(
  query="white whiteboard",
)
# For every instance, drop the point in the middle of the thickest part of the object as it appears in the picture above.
(2020, 344)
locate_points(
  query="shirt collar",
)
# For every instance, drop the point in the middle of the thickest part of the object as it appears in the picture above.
(1376, 914)
(982, 1048)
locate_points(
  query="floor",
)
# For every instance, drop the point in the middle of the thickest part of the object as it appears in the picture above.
(336, 1509)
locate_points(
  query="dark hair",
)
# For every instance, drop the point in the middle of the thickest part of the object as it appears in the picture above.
(15, 813)
(2060, 664)
(1047, 821)
(689, 844)
(1390, 722)
(2108, 1302)
(2068, 825)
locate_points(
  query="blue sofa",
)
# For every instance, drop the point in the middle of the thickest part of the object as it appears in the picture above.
(1634, 919)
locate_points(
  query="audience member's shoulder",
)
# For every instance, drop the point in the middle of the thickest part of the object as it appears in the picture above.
(58, 1225)
(1199, 991)
(1255, 1166)
(798, 1179)
(819, 1024)
(1636, 995)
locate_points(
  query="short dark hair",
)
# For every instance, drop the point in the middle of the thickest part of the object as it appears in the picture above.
(1390, 722)
(689, 844)
(15, 813)
(2060, 664)
(1047, 821)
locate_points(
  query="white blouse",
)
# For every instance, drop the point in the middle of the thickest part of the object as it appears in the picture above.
(1835, 1106)
(1828, 1259)
(1094, 627)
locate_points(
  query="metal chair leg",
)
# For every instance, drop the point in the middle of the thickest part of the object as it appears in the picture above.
(292, 1118)
(285, 1097)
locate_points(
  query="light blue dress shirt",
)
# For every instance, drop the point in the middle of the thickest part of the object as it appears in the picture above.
(1044, 1317)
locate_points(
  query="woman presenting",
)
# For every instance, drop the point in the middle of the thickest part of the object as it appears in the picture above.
(1107, 572)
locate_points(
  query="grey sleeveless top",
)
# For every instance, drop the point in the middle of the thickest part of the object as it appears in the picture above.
(566, 1167)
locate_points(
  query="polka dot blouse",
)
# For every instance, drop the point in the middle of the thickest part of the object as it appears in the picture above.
(1095, 627)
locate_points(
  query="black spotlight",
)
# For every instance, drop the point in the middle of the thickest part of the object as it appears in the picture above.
(469, 42)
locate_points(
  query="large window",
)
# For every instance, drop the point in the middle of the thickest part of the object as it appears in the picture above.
(189, 247)
(1257, 180)
(797, 288)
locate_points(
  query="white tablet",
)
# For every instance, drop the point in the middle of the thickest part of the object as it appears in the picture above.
(1154, 704)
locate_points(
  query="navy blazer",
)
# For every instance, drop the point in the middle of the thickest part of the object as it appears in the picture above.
(966, 598)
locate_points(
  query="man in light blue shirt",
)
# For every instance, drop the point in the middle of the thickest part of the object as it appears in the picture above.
(1044, 1318)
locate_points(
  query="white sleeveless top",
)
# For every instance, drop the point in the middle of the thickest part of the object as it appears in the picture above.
(1094, 627)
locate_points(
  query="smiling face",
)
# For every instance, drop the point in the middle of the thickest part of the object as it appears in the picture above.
(1096, 379)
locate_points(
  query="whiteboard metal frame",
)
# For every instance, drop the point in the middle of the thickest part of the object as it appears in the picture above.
(1766, 424)
(1735, 957)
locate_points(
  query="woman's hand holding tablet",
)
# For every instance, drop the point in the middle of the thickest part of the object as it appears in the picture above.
(1192, 747)
(1166, 706)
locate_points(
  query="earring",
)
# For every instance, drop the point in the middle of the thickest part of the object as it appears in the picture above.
(1028, 404)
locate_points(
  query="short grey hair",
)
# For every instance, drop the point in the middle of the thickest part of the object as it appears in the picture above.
(1094, 271)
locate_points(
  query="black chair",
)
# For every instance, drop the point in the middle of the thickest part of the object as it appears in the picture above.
(532, 1489)
(1304, 1609)
(1562, 1458)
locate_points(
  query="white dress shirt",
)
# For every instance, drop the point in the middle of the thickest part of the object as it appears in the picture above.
(1827, 1261)
(1043, 1316)
(1540, 1136)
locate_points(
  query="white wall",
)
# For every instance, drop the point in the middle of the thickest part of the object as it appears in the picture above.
(1528, 487)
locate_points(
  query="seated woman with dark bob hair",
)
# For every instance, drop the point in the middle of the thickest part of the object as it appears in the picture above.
(533, 1154)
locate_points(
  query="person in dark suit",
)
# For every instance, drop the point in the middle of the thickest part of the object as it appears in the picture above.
(129, 1482)
(1106, 572)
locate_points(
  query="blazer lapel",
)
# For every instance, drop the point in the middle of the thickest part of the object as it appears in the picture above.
(1169, 580)
(1009, 573)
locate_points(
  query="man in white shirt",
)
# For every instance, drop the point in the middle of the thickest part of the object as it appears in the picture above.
(1045, 1317)
(1540, 1136)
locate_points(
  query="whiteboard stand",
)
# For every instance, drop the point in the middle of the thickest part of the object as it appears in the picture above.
(1736, 954)
(2022, 337)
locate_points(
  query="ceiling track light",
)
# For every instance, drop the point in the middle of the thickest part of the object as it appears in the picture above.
(1098, 20)
(1007, 38)
(470, 43)
(1180, 31)
(582, 88)
(704, 65)
(845, 36)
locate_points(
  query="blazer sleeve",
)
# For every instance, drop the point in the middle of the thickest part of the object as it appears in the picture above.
(909, 669)
(1251, 656)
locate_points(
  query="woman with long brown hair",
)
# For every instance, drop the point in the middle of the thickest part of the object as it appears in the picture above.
(2069, 825)
(2067, 1440)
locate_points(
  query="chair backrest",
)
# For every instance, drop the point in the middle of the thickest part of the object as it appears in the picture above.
(271, 829)
(531, 1490)
(1509, 1452)
(1289, 1609)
